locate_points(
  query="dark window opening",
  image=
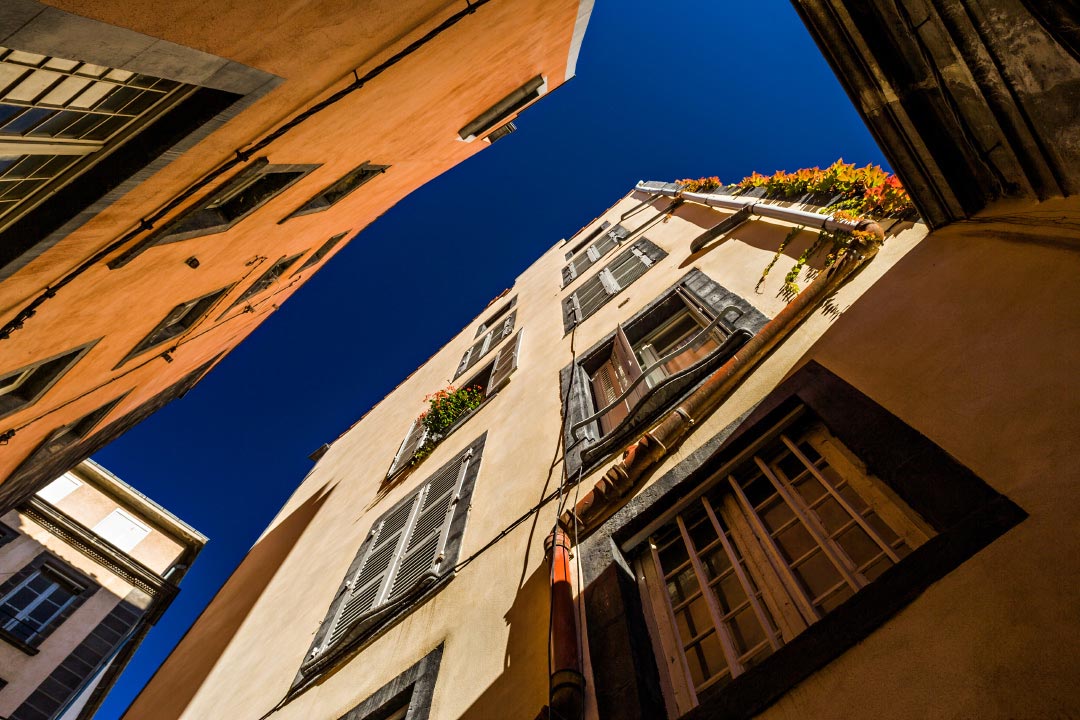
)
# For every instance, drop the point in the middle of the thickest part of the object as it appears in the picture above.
(337, 191)
(408, 696)
(612, 279)
(38, 598)
(321, 252)
(495, 316)
(489, 379)
(180, 319)
(651, 361)
(66, 436)
(25, 386)
(264, 281)
(233, 201)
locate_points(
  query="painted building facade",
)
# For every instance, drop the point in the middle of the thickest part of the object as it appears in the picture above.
(685, 494)
(88, 564)
(166, 182)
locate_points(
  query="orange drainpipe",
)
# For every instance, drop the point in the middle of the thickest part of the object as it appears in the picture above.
(567, 683)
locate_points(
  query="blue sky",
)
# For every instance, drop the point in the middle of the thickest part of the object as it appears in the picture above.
(663, 91)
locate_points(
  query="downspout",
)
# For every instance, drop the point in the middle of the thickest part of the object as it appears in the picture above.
(653, 446)
(567, 683)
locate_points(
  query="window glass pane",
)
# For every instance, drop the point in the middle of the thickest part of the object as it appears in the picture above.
(24, 122)
(706, 659)
(817, 574)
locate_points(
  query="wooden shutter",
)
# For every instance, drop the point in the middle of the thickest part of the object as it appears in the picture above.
(506, 362)
(626, 364)
(409, 547)
(414, 439)
(485, 344)
(419, 563)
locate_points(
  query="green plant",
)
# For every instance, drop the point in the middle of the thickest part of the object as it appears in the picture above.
(446, 407)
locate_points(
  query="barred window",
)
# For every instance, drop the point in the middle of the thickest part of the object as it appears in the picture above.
(786, 535)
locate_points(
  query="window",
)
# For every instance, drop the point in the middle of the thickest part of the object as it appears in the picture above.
(237, 198)
(35, 600)
(580, 261)
(780, 543)
(790, 533)
(180, 319)
(55, 114)
(617, 275)
(264, 281)
(409, 695)
(651, 361)
(66, 436)
(59, 488)
(496, 316)
(500, 112)
(337, 191)
(408, 552)
(490, 339)
(25, 386)
(122, 529)
(321, 252)
(490, 379)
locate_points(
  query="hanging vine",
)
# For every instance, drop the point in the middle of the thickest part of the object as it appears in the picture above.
(779, 251)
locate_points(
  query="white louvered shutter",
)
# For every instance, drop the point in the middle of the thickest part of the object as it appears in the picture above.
(506, 361)
(422, 553)
(414, 439)
(367, 588)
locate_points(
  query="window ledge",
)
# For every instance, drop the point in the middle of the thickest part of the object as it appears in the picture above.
(20, 644)
(408, 467)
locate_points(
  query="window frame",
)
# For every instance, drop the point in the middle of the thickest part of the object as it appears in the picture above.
(781, 604)
(504, 110)
(185, 309)
(414, 688)
(487, 342)
(967, 513)
(49, 563)
(366, 172)
(61, 363)
(498, 372)
(384, 612)
(586, 441)
(647, 253)
(204, 210)
(264, 282)
(320, 252)
(590, 251)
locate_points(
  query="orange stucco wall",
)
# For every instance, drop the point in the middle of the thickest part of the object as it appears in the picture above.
(407, 118)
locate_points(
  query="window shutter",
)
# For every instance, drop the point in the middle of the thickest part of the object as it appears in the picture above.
(569, 273)
(626, 363)
(611, 286)
(464, 364)
(506, 361)
(423, 552)
(409, 547)
(571, 312)
(367, 588)
(414, 439)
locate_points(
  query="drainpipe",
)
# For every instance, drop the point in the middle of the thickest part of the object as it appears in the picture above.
(567, 683)
(652, 447)
(756, 206)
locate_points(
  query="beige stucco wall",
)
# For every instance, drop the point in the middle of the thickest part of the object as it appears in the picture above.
(88, 505)
(25, 672)
(973, 339)
(90, 502)
(240, 658)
